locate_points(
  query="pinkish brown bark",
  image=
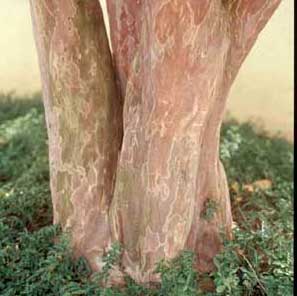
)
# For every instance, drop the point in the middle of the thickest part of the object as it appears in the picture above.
(83, 118)
(175, 61)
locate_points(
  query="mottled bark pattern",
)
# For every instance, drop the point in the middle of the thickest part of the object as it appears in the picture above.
(83, 118)
(125, 35)
(175, 61)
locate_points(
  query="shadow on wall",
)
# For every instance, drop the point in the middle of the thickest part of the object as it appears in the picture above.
(263, 90)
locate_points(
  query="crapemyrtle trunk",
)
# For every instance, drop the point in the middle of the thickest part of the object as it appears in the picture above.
(83, 118)
(174, 62)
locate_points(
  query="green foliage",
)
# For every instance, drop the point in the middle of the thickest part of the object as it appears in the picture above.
(249, 156)
(35, 257)
(230, 142)
(178, 276)
(209, 209)
(259, 260)
(13, 106)
(110, 260)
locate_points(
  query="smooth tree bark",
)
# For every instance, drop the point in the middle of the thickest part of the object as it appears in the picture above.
(83, 117)
(174, 61)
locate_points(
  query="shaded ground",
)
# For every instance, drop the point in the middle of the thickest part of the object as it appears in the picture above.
(34, 257)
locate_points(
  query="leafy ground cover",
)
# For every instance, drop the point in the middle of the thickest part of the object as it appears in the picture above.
(34, 255)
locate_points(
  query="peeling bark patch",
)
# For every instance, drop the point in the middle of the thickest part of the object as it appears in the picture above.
(166, 20)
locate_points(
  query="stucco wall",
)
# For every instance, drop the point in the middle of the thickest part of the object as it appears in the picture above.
(263, 90)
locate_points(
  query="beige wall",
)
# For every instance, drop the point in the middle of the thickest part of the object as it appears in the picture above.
(263, 90)
(264, 87)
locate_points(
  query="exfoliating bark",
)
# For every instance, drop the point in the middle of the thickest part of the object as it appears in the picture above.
(124, 19)
(176, 61)
(83, 118)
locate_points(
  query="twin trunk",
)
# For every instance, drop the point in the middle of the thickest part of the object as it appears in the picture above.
(134, 157)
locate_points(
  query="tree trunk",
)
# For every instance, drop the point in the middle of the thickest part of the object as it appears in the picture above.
(175, 62)
(83, 118)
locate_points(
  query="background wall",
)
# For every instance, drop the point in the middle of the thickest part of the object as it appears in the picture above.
(263, 90)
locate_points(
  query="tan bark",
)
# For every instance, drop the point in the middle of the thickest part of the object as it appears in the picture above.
(83, 118)
(175, 62)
